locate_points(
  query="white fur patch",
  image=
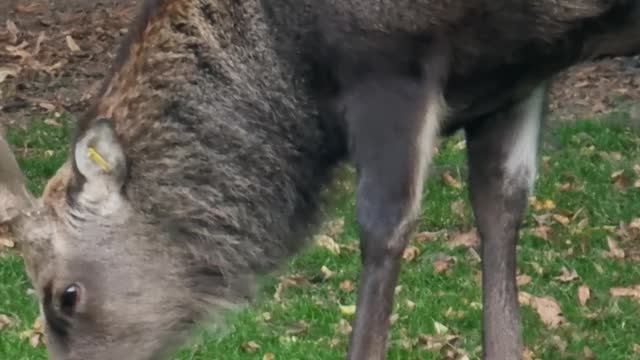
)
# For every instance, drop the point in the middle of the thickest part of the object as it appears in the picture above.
(426, 144)
(521, 164)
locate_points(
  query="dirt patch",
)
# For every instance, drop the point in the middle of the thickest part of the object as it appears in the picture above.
(53, 55)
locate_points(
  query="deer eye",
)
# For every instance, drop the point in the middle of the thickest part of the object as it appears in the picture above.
(69, 298)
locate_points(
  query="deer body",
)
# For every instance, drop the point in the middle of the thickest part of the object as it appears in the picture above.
(200, 164)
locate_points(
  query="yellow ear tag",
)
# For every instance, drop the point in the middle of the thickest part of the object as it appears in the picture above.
(98, 159)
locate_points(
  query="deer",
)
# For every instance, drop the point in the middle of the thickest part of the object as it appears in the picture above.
(199, 165)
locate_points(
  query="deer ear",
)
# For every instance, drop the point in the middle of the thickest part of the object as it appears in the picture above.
(99, 157)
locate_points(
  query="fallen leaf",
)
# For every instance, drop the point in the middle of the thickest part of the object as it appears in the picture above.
(343, 327)
(6, 242)
(527, 354)
(588, 354)
(250, 346)
(12, 29)
(458, 207)
(47, 106)
(450, 180)
(410, 304)
(440, 328)
(6, 71)
(429, 236)
(633, 292)
(561, 219)
(348, 309)
(547, 308)
(346, 286)
(618, 179)
(523, 279)
(410, 253)
(73, 46)
(288, 282)
(559, 343)
(435, 342)
(460, 145)
(35, 334)
(36, 48)
(584, 293)
(614, 251)
(441, 265)
(468, 239)
(548, 205)
(567, 275)
(297, 329)
(542, 231)
(268, 356)
(5, 322)
(327, 243)
(334, 227)
(326, 272)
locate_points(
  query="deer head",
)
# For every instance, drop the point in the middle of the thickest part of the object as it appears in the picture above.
(108, 285)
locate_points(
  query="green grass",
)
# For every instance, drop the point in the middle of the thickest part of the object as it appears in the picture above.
(582, 153)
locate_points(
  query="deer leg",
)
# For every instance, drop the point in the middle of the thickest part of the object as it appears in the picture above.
(502, 151)
(393, 124)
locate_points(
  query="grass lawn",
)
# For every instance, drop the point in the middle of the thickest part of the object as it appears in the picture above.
(579, 208)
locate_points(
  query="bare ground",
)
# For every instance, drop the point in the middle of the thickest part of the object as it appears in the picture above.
(53, 55)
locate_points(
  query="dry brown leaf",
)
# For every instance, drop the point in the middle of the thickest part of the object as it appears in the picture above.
(636, 184)
(12, 29)
(450, 180)
(5, 321)
(410, 253)
(523, 279)
(542, 231)
(334, 227)
(441, 265)
(567, 275)
(71, 44)
(467, 239)
(6, 243)
(614, 251)
(458, 207)
(35, 335)
(429, 236)
(547, 308)
(618, 179)
(410, 304)
(636, 348)
(288, 282)
(328, 243)
(584, 293)
(297, 329)
(250, 346)
(8, 71)
(47, 106)
(435, 342)
(343, 327)
(346, 286)
(561, 219)
(527, 354)
(326, 272)
(633, 292)
(268, 356)
(39, 41)
(588, 354)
